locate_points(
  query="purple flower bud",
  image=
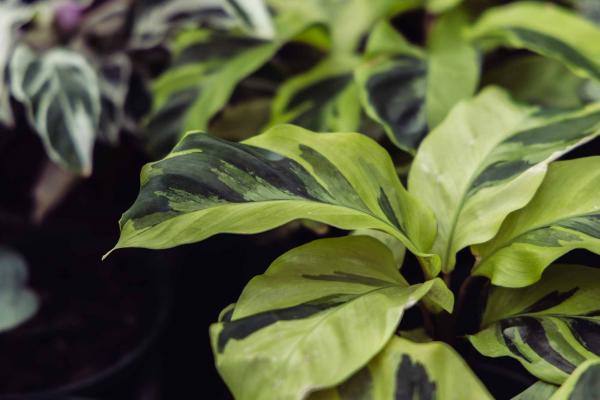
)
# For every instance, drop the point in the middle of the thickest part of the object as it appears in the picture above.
(68, 16)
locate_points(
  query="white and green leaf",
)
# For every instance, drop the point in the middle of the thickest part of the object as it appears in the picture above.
(317, 315)
(486, 160)
(207, 186)
(12, 15)
(563, 215)
(18, 303)
(543, 28)
(405, 370)
(59, 90)
(550, 327)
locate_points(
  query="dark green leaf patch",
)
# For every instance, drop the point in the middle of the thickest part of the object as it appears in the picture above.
(241, 328)
(412, 381)
(397, 95)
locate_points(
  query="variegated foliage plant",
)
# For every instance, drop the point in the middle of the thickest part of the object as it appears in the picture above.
(71, 63)
(325, 320)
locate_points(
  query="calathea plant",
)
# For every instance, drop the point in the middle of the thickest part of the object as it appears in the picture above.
(326, 319)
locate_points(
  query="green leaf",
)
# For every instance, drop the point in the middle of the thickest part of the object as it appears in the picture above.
(538, 391)
(440, 6)
(393, 244)
(583, 384)
(546, 29)
(550, 327)
(538, 80)
(563, 215)
(208, 186)
(405, 370)
(60, 92)
(347, 21)
(12, 15)
(393, 87)
(486, 160)
(206, 69)
(453, 66)
(323, 99)
(17, 302)
(318, 314)
(408, 91)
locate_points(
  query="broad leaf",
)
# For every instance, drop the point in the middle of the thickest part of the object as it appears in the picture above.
(114, 75)
(453, 66)
(17, 302)
(60, 92)
(207, 67)
(253, 15)
(12, 14)
(583, 384)
(393, 244)
(562, 216)
(317, 315)
(538, 80)
(546, 29)
(409, 92)
(322, 99)
(538, 391)
(405, 370)
(208, 186)
(393, 86)
(154, 20)
(486, 160)
(550, 327)
(347, 21)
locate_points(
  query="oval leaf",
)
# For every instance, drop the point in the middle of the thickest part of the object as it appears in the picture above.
(318, 314)
(486, 160)
(208, 186)
(405, 370)
(546, 29)
(563, 215)
(550, 327)
(60, 92)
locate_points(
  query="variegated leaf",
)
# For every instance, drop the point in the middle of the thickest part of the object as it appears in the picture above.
(405, 370)
(347, 21)
(114, 75)
(563, 215)
(410, 92)
(12, 14)
(60, 92)
(546, 29)
(582, 384)
(539, 80)
(253, 15)
(284, 174)
(486, 160)
(538, 391)
(323, 99)
(206, 69)
(17, 302)
(154, 20)
(318, 314)
(550, 327)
